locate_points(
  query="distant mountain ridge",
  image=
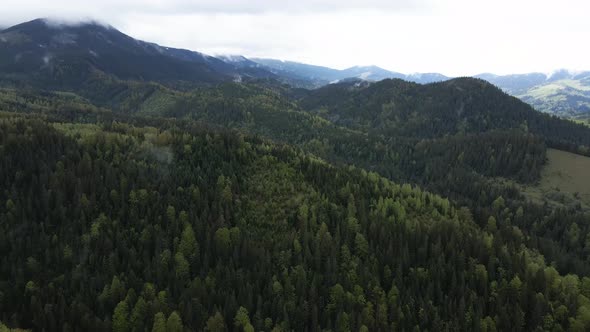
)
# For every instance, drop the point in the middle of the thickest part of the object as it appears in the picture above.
(563, 92)
(54, 55)
(70, 53)
(320, 75)
(520, 83)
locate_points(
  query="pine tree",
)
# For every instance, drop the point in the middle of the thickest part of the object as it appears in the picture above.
(215, 323)
(188, 244)
(159, 323)
(138, 314)
(121, 317)
(242, 318)
(174, 323)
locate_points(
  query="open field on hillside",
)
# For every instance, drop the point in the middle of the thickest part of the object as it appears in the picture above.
(565, 180)
(568, 97)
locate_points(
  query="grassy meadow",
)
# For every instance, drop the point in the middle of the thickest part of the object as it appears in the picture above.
(565, 180)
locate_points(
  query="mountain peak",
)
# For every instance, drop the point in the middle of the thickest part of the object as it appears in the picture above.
(370, 67)
(47, 33)
(563, 73)
(236, 60)
(58, 24)
(42, 46)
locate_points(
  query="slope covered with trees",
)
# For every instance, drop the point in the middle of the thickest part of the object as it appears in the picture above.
(133, 205)
(472, 158)
(457, 106)
(125, 227)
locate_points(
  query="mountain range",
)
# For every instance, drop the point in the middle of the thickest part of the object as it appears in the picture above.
(150, 188)
(45, 53)
(319, 75)
(68, 54)
(564, 93)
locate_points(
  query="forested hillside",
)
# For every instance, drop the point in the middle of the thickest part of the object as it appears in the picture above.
(403, 131)
(457, 106)
(124, 227)
(133, 206)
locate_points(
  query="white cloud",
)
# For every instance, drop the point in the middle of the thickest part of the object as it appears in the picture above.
(116, 9)
(455, 37)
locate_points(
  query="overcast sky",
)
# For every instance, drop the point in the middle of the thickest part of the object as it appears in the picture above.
(454, 37)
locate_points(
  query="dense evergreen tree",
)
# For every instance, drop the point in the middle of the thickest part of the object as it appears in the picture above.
(130, 227)
(114, 221)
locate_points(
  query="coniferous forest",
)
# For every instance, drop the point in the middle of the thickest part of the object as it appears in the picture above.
(126, 223)
(132, 205)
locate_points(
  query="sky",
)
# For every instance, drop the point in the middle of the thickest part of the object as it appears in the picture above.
(453, 37)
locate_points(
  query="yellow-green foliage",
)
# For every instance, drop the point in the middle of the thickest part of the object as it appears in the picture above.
(158, 102)
(12, 100)
(4, 328)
